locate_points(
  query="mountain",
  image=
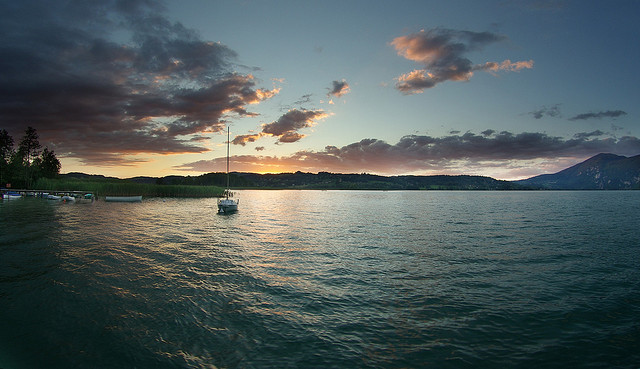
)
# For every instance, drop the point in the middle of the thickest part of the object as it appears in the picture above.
(601, 172)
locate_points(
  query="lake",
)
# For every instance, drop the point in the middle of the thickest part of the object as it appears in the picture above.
(319, 279)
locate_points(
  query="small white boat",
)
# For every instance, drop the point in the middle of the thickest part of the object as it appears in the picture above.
(227, 205)
(53, 197)
(68, 198)
(11, 196)
(123, 198)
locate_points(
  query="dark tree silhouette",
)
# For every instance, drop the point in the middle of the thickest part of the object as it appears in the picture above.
(24, 166)
(6, 152)
(28, 150)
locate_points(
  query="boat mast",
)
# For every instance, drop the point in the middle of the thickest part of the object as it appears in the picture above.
(228, 161)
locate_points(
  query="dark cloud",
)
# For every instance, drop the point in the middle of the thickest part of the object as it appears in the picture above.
(243, 139)
(600, 115)
(104, 81)
(584, 135)
(426, 153)
(443, 53)
(339, 88)
(301, 103)
(552, 111)
(304, 99)
(286, 127)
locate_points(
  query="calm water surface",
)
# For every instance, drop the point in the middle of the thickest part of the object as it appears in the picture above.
(318, 279)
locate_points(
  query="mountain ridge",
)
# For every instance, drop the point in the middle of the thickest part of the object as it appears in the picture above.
(604, 171)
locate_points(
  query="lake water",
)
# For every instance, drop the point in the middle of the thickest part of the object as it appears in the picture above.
(319, 279)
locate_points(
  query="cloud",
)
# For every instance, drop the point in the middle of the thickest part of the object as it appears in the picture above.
(552, 111)
(415, 82)
(243, 139)
(583, 135)
(599, 115)
(456, 154)
(107, 81)
(304, 99)
(339, 88)
(443, 53)
(506, 65)
(286, 127)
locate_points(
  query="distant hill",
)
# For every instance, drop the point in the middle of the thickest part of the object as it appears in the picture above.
(337, 181)
(601, 172)
(87, 177)
(327, 181)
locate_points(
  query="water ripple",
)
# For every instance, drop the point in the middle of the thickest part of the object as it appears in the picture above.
(325, 279)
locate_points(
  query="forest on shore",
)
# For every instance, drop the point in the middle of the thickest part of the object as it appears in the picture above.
(23, 166)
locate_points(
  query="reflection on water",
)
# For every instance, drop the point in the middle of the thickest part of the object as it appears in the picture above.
(322, 279)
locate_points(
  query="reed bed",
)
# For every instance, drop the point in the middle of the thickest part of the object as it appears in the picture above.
(126, 188)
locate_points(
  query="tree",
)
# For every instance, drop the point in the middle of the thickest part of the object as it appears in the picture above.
(6, 151)
(28, 150)
(24, 166)
(48, 165)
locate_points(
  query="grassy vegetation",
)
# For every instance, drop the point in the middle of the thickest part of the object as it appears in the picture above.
(126, 188)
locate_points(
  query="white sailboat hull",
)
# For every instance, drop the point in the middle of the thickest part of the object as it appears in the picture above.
(227, 206)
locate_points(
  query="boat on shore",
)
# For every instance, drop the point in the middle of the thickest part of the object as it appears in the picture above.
(66, 198)
(123, 198)
(11, 195)
(54, 195)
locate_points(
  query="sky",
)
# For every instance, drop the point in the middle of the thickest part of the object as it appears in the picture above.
(508, 89)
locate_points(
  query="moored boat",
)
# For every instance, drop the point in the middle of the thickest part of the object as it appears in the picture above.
(227, 205)
(123, 198)
(11, 195)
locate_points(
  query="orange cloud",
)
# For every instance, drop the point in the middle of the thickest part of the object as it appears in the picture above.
(443, 52)
(415, 82)
(262, 95)
(506, 65)
(421, 47)
(339, 88)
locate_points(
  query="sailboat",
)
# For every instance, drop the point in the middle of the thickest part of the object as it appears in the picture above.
(227, 205)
